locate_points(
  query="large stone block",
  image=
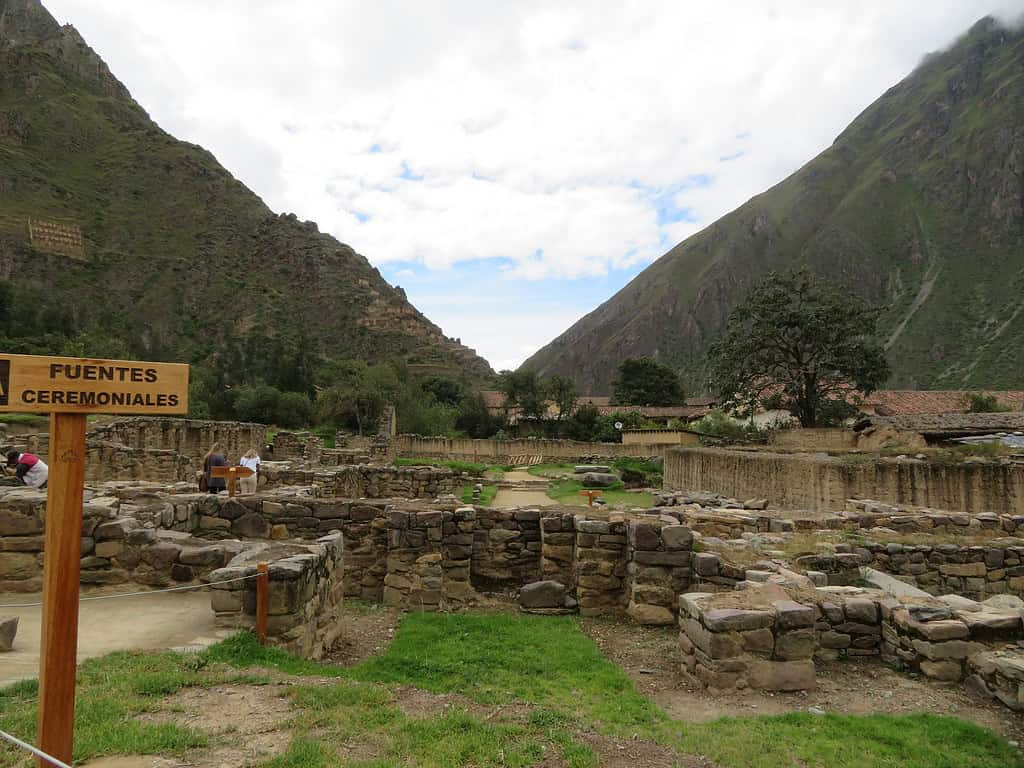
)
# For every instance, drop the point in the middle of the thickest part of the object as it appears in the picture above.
(13, 523)
(861, 610)
(951, 649)
(251, 526)
(792, 615)
(676, 559)
(735, 619)
(654, 615)
(8, 630)
(677, 537)
(963, 569)
(798, 644)
(18, 565)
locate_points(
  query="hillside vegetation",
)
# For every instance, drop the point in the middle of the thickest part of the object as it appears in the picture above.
(180, 261)
(918, 206)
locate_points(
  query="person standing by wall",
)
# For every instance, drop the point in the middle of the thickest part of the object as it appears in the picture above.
(248, 485)
(214, 458)
(29, 469)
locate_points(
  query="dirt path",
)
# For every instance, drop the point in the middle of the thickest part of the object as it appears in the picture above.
(150, 622)
(513, 497)
(650, 655)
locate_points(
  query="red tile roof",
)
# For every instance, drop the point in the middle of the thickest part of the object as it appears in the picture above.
(904, 402)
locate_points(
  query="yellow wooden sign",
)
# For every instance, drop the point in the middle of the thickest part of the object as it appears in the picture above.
(39, 384)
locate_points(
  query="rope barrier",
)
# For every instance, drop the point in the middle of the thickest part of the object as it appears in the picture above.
(137, 594)
(34, 750)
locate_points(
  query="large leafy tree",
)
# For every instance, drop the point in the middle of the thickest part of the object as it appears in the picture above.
(645, 381)
(562, 392)
(355, 393)
(803, 342)
(524, 390)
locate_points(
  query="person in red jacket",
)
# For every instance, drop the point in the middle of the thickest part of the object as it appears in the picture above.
(29, 468)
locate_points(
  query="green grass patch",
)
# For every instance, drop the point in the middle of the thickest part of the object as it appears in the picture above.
(568, 492)
(487, 494)
(845, 741)
(550, 470)
(501, 658)
(111, 691)
(491, 659)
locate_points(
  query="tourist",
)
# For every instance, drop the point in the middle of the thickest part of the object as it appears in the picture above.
(247, 485)
(29, 468)
(215, 458)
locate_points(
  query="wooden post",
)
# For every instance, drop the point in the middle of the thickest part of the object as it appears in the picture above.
(262, 601)
(63, 549)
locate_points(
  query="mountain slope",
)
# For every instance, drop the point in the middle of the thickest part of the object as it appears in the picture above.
(918, 205)
(176, 258)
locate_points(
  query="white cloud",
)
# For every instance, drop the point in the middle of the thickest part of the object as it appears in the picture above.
(547, 135)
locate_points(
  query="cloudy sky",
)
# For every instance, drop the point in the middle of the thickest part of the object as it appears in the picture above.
(512, 165)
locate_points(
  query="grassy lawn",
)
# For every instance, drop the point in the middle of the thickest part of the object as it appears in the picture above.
(566, 490)
(561, 686)
(487, 494)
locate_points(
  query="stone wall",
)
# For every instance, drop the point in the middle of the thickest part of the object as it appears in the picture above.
(659, 437)
(111, 461)
(764, 641)
(500, 451)
(823, 439)
(124, 540)
(976, 572)
(302, 446)
(305, 594)
(824, 483)
(363, 481)
(729, 519)
(189, 437)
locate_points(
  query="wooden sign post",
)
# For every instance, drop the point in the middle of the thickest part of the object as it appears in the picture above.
(591, 495)
(68, 389)
(232, 474)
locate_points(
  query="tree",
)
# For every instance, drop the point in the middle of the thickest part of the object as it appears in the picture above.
(524, 390)
(562, 392)
(645, 381)
(357, 393)
(475, 419)
(804, 339)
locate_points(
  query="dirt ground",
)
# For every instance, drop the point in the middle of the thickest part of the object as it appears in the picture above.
(145, 622)
(250, 724)
(651, 657)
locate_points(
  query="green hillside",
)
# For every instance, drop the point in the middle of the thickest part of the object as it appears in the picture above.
(179, 260)
(918, 205)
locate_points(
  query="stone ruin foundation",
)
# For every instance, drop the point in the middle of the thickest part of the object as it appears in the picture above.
(952, 611)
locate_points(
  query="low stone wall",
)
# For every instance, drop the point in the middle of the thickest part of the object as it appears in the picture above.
(112, 461)
(189, 437)
(976, 572)
(363, 481)
(818, 439)
(304, 446)
(123, 541)
(501, 451)
(305, 594)
(428, 559)
(824, 483)
(727, 518)
(745, 639)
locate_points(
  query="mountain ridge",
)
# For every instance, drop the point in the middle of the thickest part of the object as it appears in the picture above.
(176, 258)
(931, 171)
